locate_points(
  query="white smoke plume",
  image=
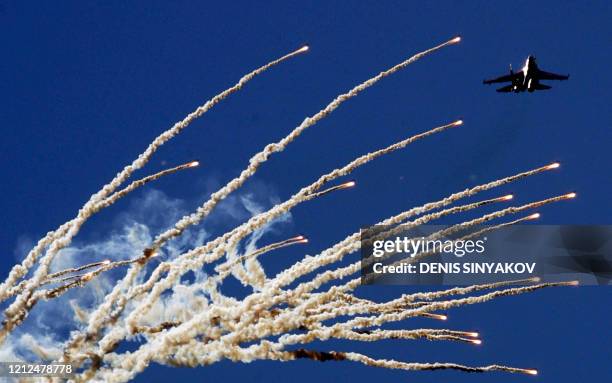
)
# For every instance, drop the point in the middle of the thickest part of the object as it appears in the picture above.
(160, 282)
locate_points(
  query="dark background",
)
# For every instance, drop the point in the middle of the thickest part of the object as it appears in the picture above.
(85, 87)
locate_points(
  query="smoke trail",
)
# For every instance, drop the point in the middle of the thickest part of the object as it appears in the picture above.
(220, 326)
(332, 189)
(393, 364)
(143, 181)
(158, 348)
(510, 210)
(225, 267)
(87, 210)
(421, 221)
(373, 336)
(19, 271)
(354, 244)
(453, 197)
(385, 317)
(351, 243)
(263, 156)
(408, 300)
(478, 221)
(103, 204)
(342, 246)
(256, 222)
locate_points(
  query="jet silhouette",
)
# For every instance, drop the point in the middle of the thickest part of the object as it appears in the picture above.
(527, 79)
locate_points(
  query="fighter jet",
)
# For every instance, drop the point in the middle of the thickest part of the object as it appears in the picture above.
(528, 79)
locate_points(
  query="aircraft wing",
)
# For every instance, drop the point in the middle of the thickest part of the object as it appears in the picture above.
(505, 78)
(551, 76)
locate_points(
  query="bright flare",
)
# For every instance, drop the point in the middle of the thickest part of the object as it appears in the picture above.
(554, 165)
(570, 195)
(455, 40)
(297, 239)
(345, 185)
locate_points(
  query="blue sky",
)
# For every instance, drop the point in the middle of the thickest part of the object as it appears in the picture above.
(87, 86)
